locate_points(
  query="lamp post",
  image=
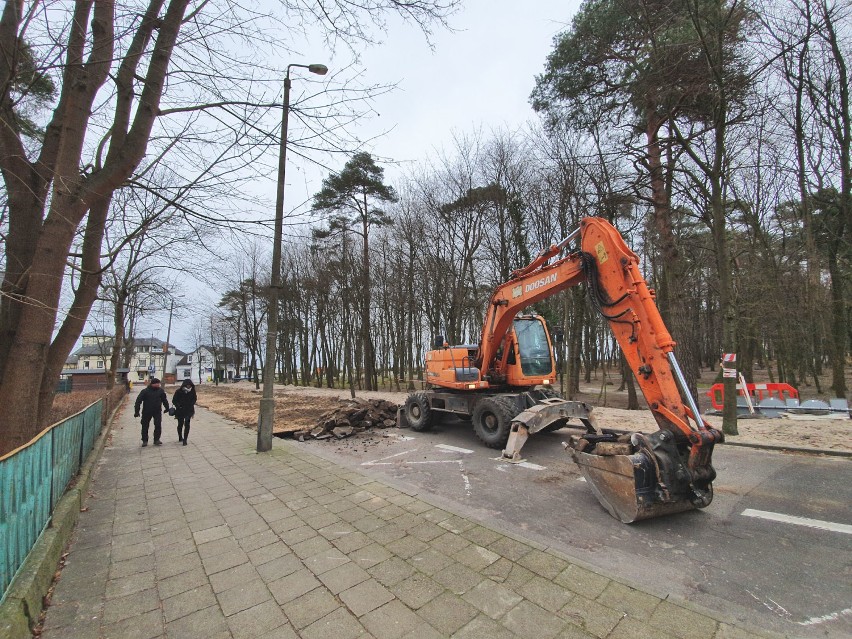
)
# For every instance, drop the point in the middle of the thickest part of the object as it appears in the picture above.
(267, 403)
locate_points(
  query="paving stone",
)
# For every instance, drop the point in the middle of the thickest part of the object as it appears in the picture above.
(366, 596)
(518, 577)
(369, 556)
(431, 561)
(236, 576)
(310, 607)
(293, 586)
(146, 626)
(259, 540)
(391, 621)
(297, 535)
(591, 616)
(499, 570)
(211, 534)
(268, 553)
(123, 553)
(481, 536)
(425, 531)
(188, 602)
(352, 542)
(219, 563)
(492, 598)
(130, 584)
(448, 613)
(482, 627)
(528, 620)
(417, 590)
(165, 569)
(449, 543)
(638, 605)
(681, 622)
(171, 586)
(343, 577)
(407, 546)
(322, 520)
(584, 582)
(509, 548)
(550, 596)
(243, 596)
(207, 623)
(312, 546)
(629, 628)
(340, 624)
(279, 567)
(138, 603)
(542, 563)
(476, 557)
(391, 571)
(457, 578)
(119, 569)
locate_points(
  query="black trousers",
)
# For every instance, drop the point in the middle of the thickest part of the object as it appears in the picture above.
(183, 426)
(158, 425)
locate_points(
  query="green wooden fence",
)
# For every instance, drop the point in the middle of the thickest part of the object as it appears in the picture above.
(34, 477)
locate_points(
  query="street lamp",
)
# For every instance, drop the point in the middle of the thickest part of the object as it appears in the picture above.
(267, 403)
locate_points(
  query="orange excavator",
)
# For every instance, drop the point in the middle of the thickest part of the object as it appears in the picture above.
(503, 385)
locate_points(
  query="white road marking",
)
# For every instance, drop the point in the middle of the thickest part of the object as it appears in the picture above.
(524, 464)
(799, 521)
(532, 466)
(813, 621)
(383, 461)
(453, 449)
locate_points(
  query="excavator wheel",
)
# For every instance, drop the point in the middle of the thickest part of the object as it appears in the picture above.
(492, 421)
(418, 412)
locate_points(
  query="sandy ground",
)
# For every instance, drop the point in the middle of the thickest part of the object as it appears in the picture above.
(300, 408)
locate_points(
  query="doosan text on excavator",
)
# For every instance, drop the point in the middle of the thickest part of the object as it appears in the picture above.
(503, 384)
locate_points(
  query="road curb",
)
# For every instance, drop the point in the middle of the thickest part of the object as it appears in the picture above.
(790, 449)
(24, 601)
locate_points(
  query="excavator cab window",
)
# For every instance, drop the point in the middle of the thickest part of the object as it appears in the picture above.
(533, 347)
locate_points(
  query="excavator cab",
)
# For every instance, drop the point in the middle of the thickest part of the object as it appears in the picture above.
(525, 357)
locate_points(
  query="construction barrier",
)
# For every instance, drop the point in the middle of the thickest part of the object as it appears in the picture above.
(757, 392)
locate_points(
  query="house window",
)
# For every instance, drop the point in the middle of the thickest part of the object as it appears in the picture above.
(141, 376)
(143, 363)
(86, 364)
(187, 372)
(189, 358)
(100, 363)
(203, 359)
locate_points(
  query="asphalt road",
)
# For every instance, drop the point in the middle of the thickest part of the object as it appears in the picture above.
(787, 576)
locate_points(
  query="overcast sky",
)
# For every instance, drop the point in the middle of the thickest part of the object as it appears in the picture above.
(479, 75)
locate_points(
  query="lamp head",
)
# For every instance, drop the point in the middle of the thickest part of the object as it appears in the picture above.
(319, 69)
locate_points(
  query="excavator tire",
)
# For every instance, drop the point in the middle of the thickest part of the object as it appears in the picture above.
(492, 421)
(418, 412)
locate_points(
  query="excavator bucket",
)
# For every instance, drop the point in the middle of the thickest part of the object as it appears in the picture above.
(642, 478)
(625, 486)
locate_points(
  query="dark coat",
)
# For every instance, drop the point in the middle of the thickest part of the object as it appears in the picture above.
(184, 402)
(151, 399)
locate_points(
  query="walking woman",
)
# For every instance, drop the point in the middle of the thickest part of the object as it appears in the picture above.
(184, 402)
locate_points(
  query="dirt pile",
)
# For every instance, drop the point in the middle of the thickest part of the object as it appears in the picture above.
(352, 416)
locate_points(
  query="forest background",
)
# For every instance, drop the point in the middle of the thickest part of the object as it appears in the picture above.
(715, 135)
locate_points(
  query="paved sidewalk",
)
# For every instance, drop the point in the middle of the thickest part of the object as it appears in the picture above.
(213, 541)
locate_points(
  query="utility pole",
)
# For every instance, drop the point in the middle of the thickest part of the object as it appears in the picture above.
(166, 345)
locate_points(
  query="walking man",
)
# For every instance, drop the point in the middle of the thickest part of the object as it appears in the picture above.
(150, 399)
